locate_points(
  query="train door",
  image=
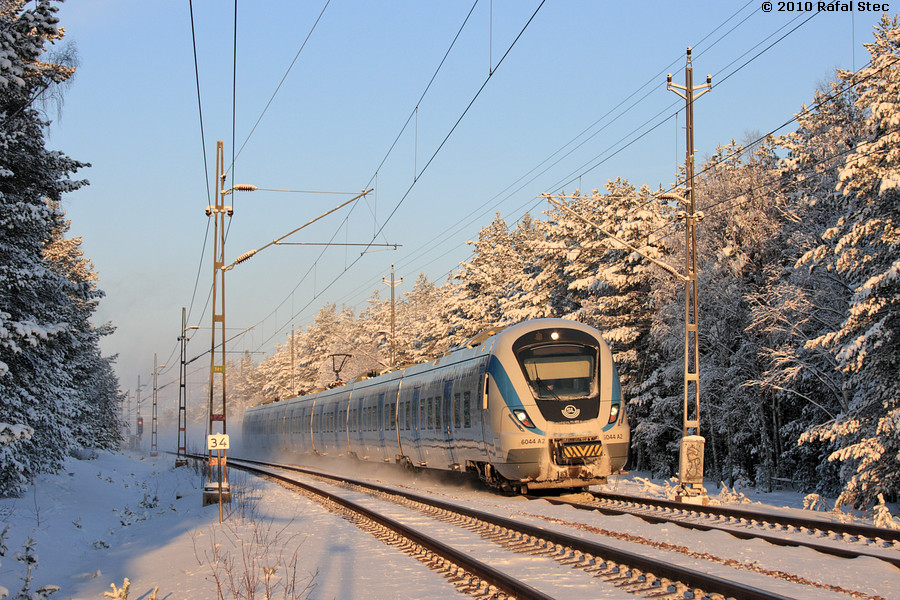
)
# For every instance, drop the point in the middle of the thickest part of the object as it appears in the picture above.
(381, 425)
(489, 437)
(447, 421)
(343, 418)
(313, 423)
(360, 428)
(416, 450)
(393, 449)
(380, 417)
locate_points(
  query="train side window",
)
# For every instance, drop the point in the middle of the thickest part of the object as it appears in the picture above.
(457, 408)
(430, 419)
(467, 410)
(407, 415)
(393, 416)
(437, 412)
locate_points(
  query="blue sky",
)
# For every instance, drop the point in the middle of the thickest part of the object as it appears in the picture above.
(579, 66)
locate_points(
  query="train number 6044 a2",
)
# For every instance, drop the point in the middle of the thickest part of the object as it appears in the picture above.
(217, 441)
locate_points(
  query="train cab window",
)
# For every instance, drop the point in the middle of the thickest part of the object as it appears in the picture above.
(467, 409)
(560, 371)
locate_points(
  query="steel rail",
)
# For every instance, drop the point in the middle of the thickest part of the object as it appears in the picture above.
(743, 535)
(492, 576)
(856, 530)
(661, 569)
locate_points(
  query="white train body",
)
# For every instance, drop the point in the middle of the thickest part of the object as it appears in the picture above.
(537, 405)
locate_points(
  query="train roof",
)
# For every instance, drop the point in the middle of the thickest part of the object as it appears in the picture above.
(482, 343)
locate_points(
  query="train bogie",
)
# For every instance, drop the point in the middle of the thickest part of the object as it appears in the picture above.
(537, 404)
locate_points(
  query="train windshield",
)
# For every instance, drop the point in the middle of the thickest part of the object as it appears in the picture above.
(558, 372)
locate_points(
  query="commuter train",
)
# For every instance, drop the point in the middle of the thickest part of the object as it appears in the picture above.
(533, 405)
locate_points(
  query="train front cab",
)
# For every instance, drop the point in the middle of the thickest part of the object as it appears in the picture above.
(554, 415)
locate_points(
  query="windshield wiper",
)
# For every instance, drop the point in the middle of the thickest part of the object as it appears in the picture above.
(547, 387)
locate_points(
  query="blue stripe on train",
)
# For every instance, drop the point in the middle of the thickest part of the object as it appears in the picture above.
(507, 391)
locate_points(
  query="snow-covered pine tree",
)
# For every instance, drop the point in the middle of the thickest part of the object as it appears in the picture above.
(245, 384)
(94, 384)
(485, 281)
(421, 322)
(798, 299)
(739, 194)
(863, 247)
(610, 284)
(36, 391)
(542, 288)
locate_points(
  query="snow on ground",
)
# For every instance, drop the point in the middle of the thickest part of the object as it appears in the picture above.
(127, 515)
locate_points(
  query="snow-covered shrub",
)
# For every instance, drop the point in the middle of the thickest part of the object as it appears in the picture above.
(13, 458)
(30, 559)
(247, 558)
(814, 502)
(732, 496)
(883, 517)
(119, 593)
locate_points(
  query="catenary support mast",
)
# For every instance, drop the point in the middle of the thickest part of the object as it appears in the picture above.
(218, 490)
(691, 460)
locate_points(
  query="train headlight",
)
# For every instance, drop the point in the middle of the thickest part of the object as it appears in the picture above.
(614, 413)
(523, 418)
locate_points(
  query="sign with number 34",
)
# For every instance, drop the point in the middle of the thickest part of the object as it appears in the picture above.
(217, 441)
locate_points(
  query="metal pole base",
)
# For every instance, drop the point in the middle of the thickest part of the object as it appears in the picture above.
(690, 488)
(211, 493)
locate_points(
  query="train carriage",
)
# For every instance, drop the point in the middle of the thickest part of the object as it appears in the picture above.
(534, 405)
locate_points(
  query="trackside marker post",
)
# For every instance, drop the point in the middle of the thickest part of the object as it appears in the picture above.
(217, 442)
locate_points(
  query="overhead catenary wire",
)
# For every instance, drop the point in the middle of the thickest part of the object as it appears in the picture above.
(382, 163)
(458, 226)
(276, 91)
(594, 166)
(416, 254)
(472, 217)
(278, 87)
(427, 164)
(234, 117)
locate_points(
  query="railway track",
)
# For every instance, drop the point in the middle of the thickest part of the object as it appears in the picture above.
(845, 540)
(629, 571)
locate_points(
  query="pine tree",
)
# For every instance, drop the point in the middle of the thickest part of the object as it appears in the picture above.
(863, 246)
(610, 285)
(486, 281)
(95, 386)
(34, 300)
(541, 288)
(800, 299)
